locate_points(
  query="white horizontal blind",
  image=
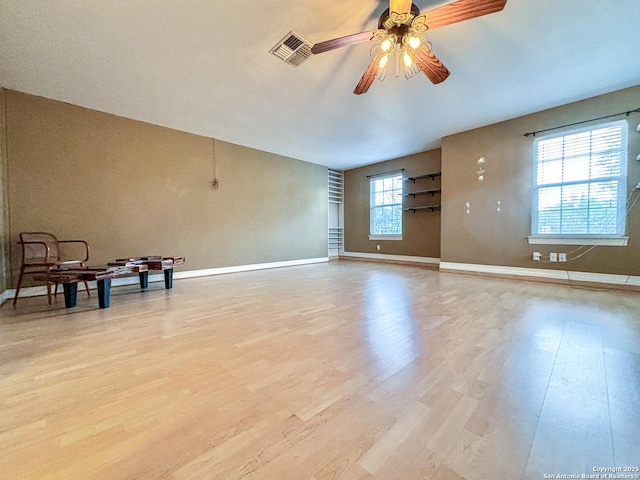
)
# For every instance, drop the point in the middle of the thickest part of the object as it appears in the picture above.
(580, 182)
(386, 205)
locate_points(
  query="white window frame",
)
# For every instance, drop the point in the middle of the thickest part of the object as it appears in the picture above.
(373, 207)
(617, 236)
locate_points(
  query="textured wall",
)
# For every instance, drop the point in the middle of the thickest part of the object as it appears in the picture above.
(421, 230)
(486, 236)
(4, 211)
(131, 188)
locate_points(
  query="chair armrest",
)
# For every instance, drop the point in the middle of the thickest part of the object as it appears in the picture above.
(86, 247)
(35, 242)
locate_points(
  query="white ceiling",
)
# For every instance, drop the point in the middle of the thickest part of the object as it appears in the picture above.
(204, 66)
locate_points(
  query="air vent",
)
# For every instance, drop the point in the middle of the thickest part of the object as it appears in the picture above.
(293, 49)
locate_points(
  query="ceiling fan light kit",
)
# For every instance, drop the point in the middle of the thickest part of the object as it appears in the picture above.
(399, 42)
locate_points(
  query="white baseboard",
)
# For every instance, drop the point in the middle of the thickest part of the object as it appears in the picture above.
(244, 268)
(134, 280)
(6, 295)
(559, 276)
(396, 258)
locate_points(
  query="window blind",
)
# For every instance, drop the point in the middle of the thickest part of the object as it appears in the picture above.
(386, 205)
(580, 182)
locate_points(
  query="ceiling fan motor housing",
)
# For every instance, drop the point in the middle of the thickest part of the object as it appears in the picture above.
(399, 31)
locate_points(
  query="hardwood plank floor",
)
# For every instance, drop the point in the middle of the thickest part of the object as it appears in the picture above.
(345, 370)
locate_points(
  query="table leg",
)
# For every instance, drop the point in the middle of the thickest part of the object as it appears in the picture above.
(70, 294)
(168, 278)
(104, 293)
(144, 279)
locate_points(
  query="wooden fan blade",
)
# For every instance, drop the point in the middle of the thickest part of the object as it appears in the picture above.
(431, 65)
(461, 10)
(343, 42)
(369, 75)
(400, 6)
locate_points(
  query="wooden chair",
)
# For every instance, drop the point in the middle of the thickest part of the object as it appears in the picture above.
(41, 252)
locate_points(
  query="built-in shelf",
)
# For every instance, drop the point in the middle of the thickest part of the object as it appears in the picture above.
(432, 176)
(336, 237)
(431, 208)
(336, 186)
(431, 192)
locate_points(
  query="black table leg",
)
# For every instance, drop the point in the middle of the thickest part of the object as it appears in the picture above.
(70, 294)
(168, 278)
(144, 279)
(104, 293)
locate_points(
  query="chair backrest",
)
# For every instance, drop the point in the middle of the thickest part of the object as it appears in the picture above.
(36, 253)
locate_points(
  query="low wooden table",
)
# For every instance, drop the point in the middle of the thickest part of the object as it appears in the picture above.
(165, 264)
(69, 279)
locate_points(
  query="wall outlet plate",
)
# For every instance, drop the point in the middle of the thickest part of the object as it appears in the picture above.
(536, 256)
(562, 257)
(553, 257)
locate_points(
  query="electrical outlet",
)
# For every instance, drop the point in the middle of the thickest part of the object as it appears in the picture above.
(536, 256)
(553, 257)
(377, 247)
(562, 257)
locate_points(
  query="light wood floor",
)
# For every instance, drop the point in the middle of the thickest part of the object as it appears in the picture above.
(347, 370)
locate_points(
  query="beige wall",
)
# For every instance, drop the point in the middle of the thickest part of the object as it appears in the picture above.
(421, 230)
(131, 188)
(486, 236)
(4, 211)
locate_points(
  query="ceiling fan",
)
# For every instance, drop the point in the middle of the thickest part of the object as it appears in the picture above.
(398, 38)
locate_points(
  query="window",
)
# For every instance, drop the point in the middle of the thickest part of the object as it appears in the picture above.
(386, 207)
(580, 184)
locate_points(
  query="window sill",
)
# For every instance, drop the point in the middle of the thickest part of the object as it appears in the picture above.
(385, 237)
(604, 240)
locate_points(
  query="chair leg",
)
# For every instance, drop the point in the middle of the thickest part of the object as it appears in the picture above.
(86, 284)
(49, 292)
(15, 299)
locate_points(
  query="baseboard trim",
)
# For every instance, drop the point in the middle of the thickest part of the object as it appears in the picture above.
(564, 277)
(6, 295)
(429, 262)
(246, 268)
(134, 280)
